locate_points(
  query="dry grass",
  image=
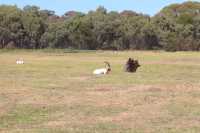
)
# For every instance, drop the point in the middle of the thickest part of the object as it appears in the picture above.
(56, 92)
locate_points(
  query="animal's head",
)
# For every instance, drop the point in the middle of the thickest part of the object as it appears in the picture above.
(107, 64)
(137, 63)
(108, 70)
(108, 67)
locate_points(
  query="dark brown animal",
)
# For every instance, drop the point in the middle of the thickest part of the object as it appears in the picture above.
(131, 65)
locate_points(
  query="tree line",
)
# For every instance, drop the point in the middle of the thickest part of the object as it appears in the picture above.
(175, 27)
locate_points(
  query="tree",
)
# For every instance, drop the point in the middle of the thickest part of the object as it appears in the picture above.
(175, 27)
(34, 26)
(11, 28)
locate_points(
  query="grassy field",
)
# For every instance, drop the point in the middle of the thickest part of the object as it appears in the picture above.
(55, 92)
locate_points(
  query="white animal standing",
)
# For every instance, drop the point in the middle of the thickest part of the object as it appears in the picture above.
(20, 61)
(105, 70)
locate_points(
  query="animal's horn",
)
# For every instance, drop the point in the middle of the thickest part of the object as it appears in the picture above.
(107, 63)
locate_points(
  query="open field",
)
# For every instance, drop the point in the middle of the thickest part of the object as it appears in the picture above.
(55, 92)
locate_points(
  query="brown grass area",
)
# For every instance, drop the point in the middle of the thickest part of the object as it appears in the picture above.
(58, 93)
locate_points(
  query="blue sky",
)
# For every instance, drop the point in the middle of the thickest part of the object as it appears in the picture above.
(61, 6)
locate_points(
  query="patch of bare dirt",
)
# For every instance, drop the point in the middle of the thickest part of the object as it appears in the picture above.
(59, 124)
(173, 62)
(81, 78)
(103, 89)
(158, 88)
(154, 89)
(38, 97)
(186, 60)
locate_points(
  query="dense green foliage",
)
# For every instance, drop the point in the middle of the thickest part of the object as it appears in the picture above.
(175, 27)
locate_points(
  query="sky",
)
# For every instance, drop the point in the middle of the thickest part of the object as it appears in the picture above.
(150, 7)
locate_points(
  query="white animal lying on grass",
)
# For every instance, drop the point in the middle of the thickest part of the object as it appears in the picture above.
(105, 70)
(20, 61)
